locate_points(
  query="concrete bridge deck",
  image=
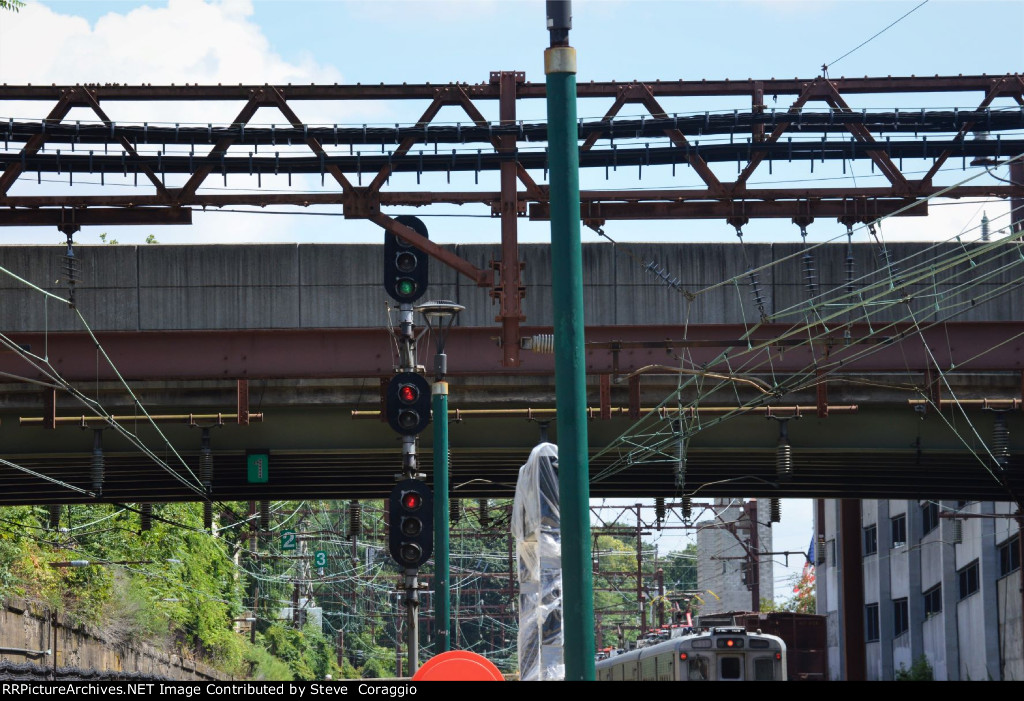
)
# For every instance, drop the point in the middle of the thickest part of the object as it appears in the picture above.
(305, 328)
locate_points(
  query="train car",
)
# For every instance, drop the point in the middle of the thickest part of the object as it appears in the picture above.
(717, 654)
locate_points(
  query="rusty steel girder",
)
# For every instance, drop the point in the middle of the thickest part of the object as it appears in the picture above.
(729, 200)
(615, 350)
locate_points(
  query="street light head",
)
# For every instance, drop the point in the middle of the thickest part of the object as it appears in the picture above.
(440, 315)
(439, 309)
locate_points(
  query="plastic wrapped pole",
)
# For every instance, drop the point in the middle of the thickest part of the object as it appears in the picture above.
(536, 526)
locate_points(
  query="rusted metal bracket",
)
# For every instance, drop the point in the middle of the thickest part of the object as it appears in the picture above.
(361, 203)
(242, 387)
(822, 395)
(634, 397)
(482, 278)
(606, 396)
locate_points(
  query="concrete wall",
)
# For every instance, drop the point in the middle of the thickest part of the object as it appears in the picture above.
(23, 627)
(933, 633)
(899, 557)
(1011, 636)
(978, 637)
(827, 578)
(717, 573)
(338, 285)
(969, 612)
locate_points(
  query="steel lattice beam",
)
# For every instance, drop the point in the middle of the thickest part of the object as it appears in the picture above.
(769, 138)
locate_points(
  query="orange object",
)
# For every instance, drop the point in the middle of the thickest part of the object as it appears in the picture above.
(458, 666)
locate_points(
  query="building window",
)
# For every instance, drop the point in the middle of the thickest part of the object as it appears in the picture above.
(871, 540)
(900, 617)
(1009, 556)
(899, 531)
(933, 601)
(968, 579)
(871, 632)
(930, 516)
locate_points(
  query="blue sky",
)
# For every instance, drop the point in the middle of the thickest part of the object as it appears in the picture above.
(439, 41)
(434, 41)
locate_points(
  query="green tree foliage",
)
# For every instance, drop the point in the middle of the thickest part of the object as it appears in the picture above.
(308, 654)
(681, 569)
(802, 601)
(12, 5)
(615, 595)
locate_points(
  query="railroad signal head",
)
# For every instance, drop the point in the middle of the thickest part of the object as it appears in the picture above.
(412, 501)
(411, 532)
(408, 403)
(408, 394)
(405, 266)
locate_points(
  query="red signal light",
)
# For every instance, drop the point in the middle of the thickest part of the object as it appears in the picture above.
(778, 655)
(729, 643)
(408, 394)
(682, 656)
(412, 501)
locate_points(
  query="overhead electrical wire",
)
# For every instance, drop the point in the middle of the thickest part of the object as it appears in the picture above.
(892, 24)
(630, 445)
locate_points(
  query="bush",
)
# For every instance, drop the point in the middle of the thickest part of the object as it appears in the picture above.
(307, 652)
(920, 671)
(266, 667)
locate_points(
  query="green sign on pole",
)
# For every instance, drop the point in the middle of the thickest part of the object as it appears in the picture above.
(320, 558)
(288, 540)
(259, 467)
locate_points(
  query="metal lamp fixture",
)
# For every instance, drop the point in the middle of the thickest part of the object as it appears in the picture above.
(440, 315)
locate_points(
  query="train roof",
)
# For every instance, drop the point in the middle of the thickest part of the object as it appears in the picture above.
(673, 644)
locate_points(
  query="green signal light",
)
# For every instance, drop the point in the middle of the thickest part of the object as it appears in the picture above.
(406, 286)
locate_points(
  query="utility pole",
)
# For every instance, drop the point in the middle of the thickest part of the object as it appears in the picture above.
(659, 575)
(570, 360)
(753, 559)
(640, 573)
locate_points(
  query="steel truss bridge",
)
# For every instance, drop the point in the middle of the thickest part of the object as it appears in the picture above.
(821, 122)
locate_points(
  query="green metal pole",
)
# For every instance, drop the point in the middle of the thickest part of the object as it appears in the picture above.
(442, 599)
(570, 368)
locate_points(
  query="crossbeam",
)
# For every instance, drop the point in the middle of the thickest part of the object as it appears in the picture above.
(616, 350)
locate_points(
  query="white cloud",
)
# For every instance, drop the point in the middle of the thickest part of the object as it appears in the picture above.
(188, 41)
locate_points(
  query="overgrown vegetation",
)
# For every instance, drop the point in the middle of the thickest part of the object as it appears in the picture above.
(615, 586)
(920, 671)
(174, 586)
(183, 589)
